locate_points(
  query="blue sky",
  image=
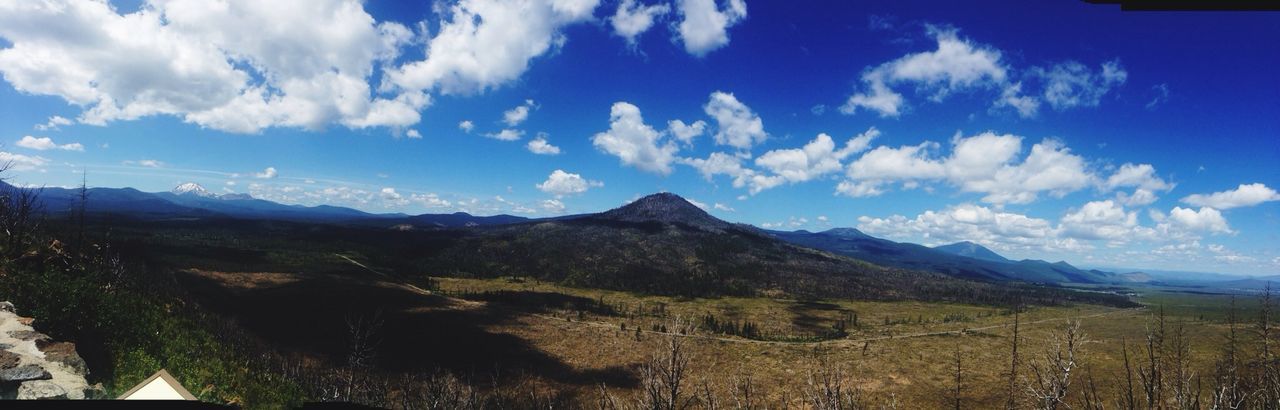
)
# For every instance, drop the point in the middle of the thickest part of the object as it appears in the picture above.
(1054, 130)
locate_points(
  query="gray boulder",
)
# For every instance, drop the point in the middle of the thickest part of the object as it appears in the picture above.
(24, 373)
(41, 390)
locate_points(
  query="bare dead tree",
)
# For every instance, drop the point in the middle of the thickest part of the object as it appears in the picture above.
(1179, 366)
(1051, 376)
(1089, 397)
(20, 217)
(1011, 394)
(363, 338)
(1227, 392)
(663, 376)
(830, 387)
(958, 388)
(744, 391)
(1128, 400)
(707, 395)
(1152, 374)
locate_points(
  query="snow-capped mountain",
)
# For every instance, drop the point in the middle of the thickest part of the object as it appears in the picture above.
(194, 189)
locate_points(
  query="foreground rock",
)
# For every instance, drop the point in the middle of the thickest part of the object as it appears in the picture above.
(34, 367)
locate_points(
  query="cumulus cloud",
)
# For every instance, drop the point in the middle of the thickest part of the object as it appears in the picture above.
(391, 198)
(466, 126)
(1206, 219)
(209, 63)
(1071, 84)
(517, 115)
(737, 126)
(986, 163)
(413, 134)
(961, 65)
(633, 18)
(722, 207)
(704, 25)
(957, 64)
(1141, 177)
(540, 146)
(55, 123)
(46, 143)
(815, 159)
(506, 135)
(483, 44)
(969, 222)
(635, 143)
(685, 133)
(1244, 195)
(1100, 220)
(553, 206)
(19, 162)
(561, 183)
(430, 200)
(268, 173)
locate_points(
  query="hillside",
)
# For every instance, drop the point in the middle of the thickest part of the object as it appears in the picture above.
(953, 260)
(972, 250)
(662, 244)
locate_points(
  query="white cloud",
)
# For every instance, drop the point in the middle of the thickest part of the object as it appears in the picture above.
(635, 143)
(1141, 176)
(483, 44)
(1242, 196)
(957, 64)
(553, 206)
(737, 126)
(723, 207)
(430, 200)
(685, 133)
(506, 135)
(968, 222)
(148, 163)
(701, 205)
(210, 64)
(1100, 220)
(55, 123)
(46, 143)
(1012, 97)
(704, 25)
(561, 183)
(391, 198)
(268, 173)
(19, 162)
(985, 163)
(1140, 197)
(466, 126)
(632, 19)
(1071, 84)
(413, 134)
(517, 115)
(817, 158)
(540, 146)
(1205, 220)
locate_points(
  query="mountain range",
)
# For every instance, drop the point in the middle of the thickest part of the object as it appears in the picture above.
(699, 234)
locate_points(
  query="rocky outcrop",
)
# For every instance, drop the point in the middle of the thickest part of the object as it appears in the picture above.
(34, 367)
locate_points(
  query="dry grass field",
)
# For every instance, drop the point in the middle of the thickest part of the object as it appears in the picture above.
(900, 352)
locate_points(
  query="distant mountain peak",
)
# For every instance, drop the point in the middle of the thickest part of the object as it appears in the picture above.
(972, 250)
(845, 233)
(665, 207)
(192, 188)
